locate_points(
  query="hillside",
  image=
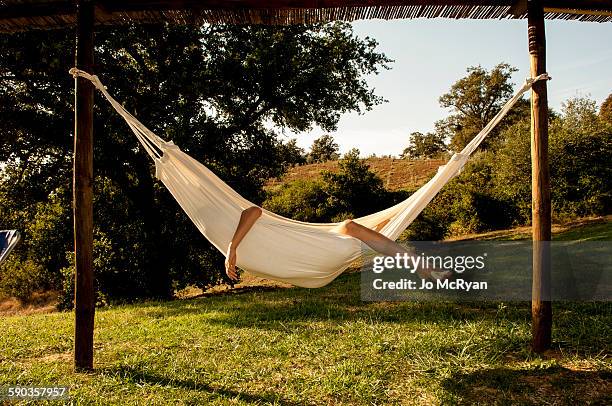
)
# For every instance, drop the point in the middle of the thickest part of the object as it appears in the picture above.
(396, 173)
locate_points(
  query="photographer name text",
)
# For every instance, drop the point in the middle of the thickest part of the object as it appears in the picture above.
(440, 284)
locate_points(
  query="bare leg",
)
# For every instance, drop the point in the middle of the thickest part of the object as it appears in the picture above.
(247, 219)
(373, 239)
(384, 245)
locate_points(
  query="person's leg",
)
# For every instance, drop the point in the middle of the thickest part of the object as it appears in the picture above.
(385, 246)
(373, 239)
(248, 217)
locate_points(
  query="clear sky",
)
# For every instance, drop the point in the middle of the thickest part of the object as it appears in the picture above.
(430, 55)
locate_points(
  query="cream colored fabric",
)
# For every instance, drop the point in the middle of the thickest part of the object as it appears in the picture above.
(304, 254)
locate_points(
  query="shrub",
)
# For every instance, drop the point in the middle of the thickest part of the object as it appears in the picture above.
(354, 190)
(300, 200)
(21, 278)
(580, 172)
(580, 148)
(45, 227)
(351, 192)
(426, 227)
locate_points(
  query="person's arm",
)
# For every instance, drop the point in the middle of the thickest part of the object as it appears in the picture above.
(247, 219)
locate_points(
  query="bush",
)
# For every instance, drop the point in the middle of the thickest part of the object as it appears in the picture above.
(45, 227)
(426, 227)
(105, 274)
(354, 190)
(467, 204)
(580, 148)
(581, 172)
(351, 192)
(300, 200)
(21, 278)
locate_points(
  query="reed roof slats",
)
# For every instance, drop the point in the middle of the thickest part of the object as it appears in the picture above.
(21, 15)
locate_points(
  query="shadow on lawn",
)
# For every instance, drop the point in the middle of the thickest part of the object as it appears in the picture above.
(286, 309)
(237, 291)
(134, 374)
(554, 385)
(340, 301)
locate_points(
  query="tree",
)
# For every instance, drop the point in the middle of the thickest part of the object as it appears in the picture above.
(580, 151)
(291, 154)
(605, 111)
(430, 145)
(474, 100)
(323, 149)
(354, 190)
(579, 114)
(220, 92)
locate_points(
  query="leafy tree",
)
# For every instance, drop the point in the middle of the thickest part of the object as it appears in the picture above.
(512, 179)
(580, 156)
(605, 111)
(214, 90)
(429, 145)
(323, 149)
(580, 115)
(494, 189)
(474, 100)
(291, 153)
(354, 190)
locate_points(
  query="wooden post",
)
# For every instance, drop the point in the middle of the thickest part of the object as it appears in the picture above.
(84, 305)
(541, 309)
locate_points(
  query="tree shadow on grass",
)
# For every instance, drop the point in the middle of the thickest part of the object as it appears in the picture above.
(133, 374)
(555, 385)
(238, 290)
(340, 301)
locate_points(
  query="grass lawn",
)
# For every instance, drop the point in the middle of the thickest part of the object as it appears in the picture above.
(325, 346)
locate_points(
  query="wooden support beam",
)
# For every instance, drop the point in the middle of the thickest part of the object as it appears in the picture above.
(84, 304)
(578, 12)
(541, 309)
(519, 8)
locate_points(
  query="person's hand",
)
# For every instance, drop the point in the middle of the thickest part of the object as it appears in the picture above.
(230, 263)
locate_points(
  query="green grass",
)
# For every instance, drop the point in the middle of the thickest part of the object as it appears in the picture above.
(597, 229)
(324, 346)
(593, 232)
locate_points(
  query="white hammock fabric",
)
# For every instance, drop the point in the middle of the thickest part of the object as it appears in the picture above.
(303, 254)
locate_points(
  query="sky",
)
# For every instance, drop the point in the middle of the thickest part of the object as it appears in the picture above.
(431, 54)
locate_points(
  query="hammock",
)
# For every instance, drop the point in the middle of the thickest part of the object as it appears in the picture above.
(303, 254)
(8, 241)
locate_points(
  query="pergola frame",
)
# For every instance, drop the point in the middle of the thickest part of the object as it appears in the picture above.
(24, 15)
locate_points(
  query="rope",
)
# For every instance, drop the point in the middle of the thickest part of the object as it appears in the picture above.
(421, 198)
(152, 143)
(477, 140)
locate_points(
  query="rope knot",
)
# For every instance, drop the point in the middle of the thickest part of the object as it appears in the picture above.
(76, 73)
(543, 76)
